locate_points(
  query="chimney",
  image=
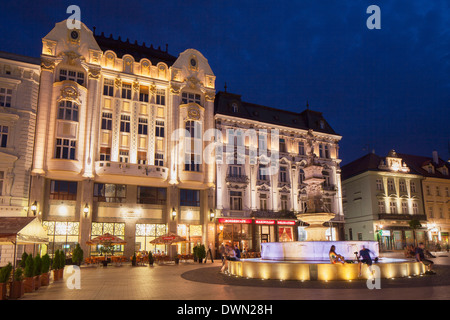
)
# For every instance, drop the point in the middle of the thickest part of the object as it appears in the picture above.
(435, 157)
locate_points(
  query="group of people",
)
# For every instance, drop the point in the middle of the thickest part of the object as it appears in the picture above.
(228, 253)
(364, 257)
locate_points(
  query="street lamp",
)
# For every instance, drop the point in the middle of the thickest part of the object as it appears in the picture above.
(86, 210)
(211, 215)
(174, 214)
(34, 208)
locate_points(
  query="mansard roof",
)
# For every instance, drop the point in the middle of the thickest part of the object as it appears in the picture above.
(308, 119)
(134, 49)
(417, 164)
(20, 58)
(369, 162)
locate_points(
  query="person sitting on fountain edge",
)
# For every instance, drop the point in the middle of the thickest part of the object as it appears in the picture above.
(334, 257)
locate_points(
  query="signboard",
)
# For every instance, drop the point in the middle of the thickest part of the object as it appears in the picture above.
(286, 222)
(230, 220)
(264, 221)
(385, 233)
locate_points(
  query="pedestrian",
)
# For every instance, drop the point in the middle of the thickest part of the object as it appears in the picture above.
(364, 253)
(225, 258)
(222, 252)
(420, 257)
(238, 252)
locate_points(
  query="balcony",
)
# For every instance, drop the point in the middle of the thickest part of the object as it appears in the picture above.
(240, 179)
(330, 187)
(130, 169)
(404, 217)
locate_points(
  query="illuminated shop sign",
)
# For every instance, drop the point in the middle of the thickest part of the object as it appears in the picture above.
(265, 221)
(286, 222)
(224, 220)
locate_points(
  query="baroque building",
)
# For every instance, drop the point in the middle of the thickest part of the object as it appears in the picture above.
(260, 182)
(107, 156)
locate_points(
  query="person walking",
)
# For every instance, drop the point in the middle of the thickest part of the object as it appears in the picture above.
(237, 252)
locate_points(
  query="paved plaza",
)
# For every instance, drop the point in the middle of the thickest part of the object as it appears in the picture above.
(194, 281)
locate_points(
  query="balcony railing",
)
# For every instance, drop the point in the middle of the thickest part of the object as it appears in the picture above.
(237, 178)
(403, 216)
(330, 187)
(132, 169)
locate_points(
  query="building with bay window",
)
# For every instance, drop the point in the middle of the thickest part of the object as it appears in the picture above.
(108, 156)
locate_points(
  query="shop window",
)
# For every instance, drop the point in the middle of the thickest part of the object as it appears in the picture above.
(61, 235)
(63, 190)
(146, 233)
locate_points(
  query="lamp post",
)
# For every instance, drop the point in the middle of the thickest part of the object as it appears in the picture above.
(34, 208)
(211, 215)
(174, 213)
(86, 210)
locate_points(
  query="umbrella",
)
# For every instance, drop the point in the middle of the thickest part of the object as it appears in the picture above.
(168, 238)
(107, 238)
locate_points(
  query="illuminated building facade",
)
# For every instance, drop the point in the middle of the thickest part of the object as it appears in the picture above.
(107, 142)
(381, 196)
(259, 172)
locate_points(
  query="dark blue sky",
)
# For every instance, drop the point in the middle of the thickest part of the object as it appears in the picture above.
(385, 89)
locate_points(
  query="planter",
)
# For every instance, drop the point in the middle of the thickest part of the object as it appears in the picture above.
(61, 273)
(17, 290)
(200, 260)
(28, 284)
(45, 279)
(3, 291)
(105, 263)
(55, 275)
(37, 282)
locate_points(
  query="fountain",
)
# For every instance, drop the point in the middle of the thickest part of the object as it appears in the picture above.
(309, 260)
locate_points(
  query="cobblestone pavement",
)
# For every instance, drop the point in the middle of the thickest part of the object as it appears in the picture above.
(193, 281)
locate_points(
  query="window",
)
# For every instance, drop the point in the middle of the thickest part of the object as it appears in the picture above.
(105, 154)
(187, 97)
(63, 190)
(3, 136)
(413, 186)
(124, 156)
(415, 208)
(141, 157)
(143, 94)
(65, 149)
(262, 173)
(284, 203)
(159, 130)
(262, 143)
(78, 77)
(152, 195)
(430, 210)
(159, 159)
(235, 200)
(326, 176)
(283, 145)
(283, 174)
(2, 177)
(379, 184)
(404, 207)
(192, 162)
(189, 197)
(301, 176)
(5, 97)
(161, 97)
(327, 151)
(447, 192)
(143, 126)
(391, 185)
(104, 192)
(438, 191)
(124, 123)
(235, 171)
(301, 148)
(126, 91)
(441, 213)
(393, 207)
(108, 87)
(263, 201)
(350, 233)
(428, 191)
(381, 207)
(193, 128)
(106, 121)
(402, 185)
(68, 110)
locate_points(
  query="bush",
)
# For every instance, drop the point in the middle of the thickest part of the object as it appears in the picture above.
(55, 263)
(201, 252)
(62, 259)
(45, 265)
(77, 255)
(133, 260)
(18, 274)
(5, 273)
(37, 265)
(29, 267)
(24, 259)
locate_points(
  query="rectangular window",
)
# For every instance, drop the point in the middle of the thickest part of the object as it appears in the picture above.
(143, 126)
(189, 197)
(142, 157)
(415, 208)
(283, 145)
(327, 151)
(284, 203)
(68, 110)
(108, 87)
(391, 185)
(161, 97)
(283, 174)
(65, 149)
(187, 97)
(235, 171)
(262, 173)
(235, 200)
(159, 131)
(124, 156)
(5, 97)
(152, 195)
(192, 162)
(126, 91)
(106, 121)
(381, 208)
(124, 123)
(63, 190)
(379, 184)
(301, 148)
(262, 143)
(159, 159)
(413, 186)
(75, 76)
(263, 201)
(2, 177)
(3, 136)
(393, 207)
(321, 151)
(110, 192)
(402, 185)
(143, 94)
(105, 154)
(404, 208)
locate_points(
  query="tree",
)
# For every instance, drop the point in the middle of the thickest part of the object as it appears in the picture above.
(77, 255)
(415, 224)
(37, 265)
(29, 267)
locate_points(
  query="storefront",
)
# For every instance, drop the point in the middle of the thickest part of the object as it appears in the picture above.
(193, 235)
(235, 232)
(146, 233)
(62, 235)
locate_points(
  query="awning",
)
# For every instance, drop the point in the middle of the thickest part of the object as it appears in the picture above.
(107, 238)
(22, 230)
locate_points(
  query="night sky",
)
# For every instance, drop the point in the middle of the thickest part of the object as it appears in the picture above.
(380, 89)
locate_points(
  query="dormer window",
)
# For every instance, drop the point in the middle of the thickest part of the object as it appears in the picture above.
(322, 124)
(234, 107)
